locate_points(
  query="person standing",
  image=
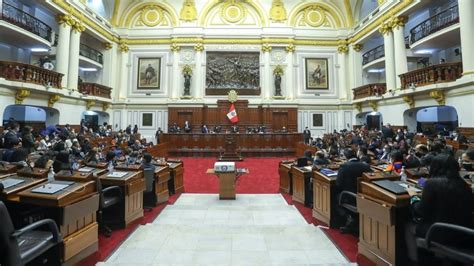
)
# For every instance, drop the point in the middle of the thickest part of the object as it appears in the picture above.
(306, 135)
(158, 134)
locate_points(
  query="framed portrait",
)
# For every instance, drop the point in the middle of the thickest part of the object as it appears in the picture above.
(317, 120)
(148, 77)
(147, 119)
(317, 74)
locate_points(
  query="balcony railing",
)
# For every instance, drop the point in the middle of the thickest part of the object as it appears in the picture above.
(368, 90)
(434, 24)
(94, 89)
(91, 53)
(25, 21)
(374, 54)
(30, 74)
(433, 74)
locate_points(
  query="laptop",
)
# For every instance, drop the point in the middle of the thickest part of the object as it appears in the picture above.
(53, 187)
(391, 186)
(10, 182)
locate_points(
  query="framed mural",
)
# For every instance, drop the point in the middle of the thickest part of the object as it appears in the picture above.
(239, 71)
(148, 77)
(317, 120)
(316, 74)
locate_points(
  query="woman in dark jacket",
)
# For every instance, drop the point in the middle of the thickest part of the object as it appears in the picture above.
(61, 162)
(27, 140)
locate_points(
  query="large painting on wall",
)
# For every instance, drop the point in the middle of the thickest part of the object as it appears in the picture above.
(317, 74)
(148, 73)
(239, 71)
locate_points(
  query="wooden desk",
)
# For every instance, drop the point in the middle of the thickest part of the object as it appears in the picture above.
(323, 194)
(301, 179)
(100, 165)
(11, 193)
(133, 185)
(7, 168)
(379, 175)
(74, 210)
(176, 184)
(35, 173)
(75, 176)
(416, 173)
(382, 215)
(129, 167)
(284, 169)
(162, 176)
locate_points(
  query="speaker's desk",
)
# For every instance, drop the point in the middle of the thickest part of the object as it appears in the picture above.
(227, 182)
(74, 210)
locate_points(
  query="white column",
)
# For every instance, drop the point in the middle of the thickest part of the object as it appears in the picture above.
(198, 90)
(466, 20)
(62, 49)
(267, 72)
(389, 57)
(401, 64)
(75, 42)
(341, 60)
(109, 70)
(355, 63)
(175, 89)
(289, 88)
(123, 84)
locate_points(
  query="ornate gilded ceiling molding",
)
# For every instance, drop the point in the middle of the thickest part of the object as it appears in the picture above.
(357, 47)
(316, 14)
(439, 97)
(188, 11)
(373, 105)
(277, 11)
(89, 104)
(410, 100)
(53, 99)
(232, 11)
(150, 14)
(21, 95)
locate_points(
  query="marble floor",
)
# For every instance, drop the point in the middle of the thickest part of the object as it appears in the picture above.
(199, 229)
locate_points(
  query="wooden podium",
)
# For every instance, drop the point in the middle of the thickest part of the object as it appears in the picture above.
(227, 182)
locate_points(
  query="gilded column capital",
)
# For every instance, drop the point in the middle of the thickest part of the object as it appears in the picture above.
(357, 47)
(89, 104)
(188, 11)
(175, 47)
(21, 95)
(123, 46)
(385, 28)
(65, 19)
(266, 48)
(343, 49)
(439, 97)
(290, 48)
(277, 11)
(105, 106)
(53, 99)
(78, 27)
(107, 46)
(199, 47)
(399, 21)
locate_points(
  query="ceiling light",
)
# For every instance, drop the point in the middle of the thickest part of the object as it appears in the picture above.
(376, 70)
(88, 69)
(424, 51)
(39, 50)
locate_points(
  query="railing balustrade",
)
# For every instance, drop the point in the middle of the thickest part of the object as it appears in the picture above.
(374, 54)
(432, 74)
(30, 74)
(94, 89)
(25, 21)
(368, 90)
(434, 24)
(91, 53)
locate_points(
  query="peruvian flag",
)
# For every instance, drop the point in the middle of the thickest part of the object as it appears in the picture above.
(232, 114)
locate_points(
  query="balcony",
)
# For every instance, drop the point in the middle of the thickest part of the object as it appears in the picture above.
(368, 90)
(93, 89)
(433, 74)
(91, 53)
(435, 24)
(374, 54)
(15, 71)
(25, 21)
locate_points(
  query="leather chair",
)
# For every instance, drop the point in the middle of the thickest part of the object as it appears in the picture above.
(439, 240)
(348, 202)
(149, 196)
(108, 197)
(28, 243)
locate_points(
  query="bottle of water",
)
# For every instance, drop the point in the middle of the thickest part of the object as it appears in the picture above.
(403, 175)
(460, 162)
(51, 174)
(110, 167)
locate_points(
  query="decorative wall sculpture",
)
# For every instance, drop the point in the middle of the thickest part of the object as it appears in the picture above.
(238, 71)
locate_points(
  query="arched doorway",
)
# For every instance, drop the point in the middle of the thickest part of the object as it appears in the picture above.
(38, 117)
(373, 120)
(93, 119)
(431, 119)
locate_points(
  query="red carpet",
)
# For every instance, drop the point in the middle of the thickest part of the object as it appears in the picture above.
(263, 178)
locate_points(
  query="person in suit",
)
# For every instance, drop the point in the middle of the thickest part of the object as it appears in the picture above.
(306, 135)
(446, 198)
(387, 132)
(187, 127)
(204, 129)
(158, 135)
(146, 163)
(456, 136)
(234, 129)
(320, 159)
(362, 155)
(346, 180)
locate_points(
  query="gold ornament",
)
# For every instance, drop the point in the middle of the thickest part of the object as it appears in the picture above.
(290, 48)
(152, 15)
(233, 11)
(438, 96)
(343, 49)
(123, 47)
(199, 47)
(107, 46)
(232, 96)
(188, 11)
(266, 48)
(373, 105)
(105, 106)
(89, 104)
(358, 106)
(357, 47)
(385, 28)
(278, 71)
(64, 19)
(21, 95)
(175, 47)
(409, 100)
(399, 21)
(53, 99)
(314, 16)
(277, 11)
(187, 69)
(78, 27)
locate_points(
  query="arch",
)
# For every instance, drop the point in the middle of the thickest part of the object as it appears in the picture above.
(317, 15)
(431, 118)
(36, 116)
(373, 119)
(233, 12)
(149, 14)
(95, 118)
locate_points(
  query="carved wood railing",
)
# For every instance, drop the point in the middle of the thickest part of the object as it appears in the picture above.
(94, 89)
(432, 74)
(30, 74)
(434, 24)
(374, 54)
(368, 90)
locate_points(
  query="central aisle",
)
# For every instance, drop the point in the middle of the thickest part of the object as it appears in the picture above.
(199, 229)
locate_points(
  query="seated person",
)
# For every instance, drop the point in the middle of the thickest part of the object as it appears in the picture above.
(468, 160)
(396, 162)
(456, 136)
(446, 198)
(187, 127)
(91, 156)
(234, 129)
(414, 158)
(309, 155)
(204, 129)
(61, 162)
(284, 130)
(320, 159)
(146, 162)
(217, 129)
(385, 156)
(363, 156)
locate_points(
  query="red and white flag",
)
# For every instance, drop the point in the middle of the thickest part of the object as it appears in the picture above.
(232, 114)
